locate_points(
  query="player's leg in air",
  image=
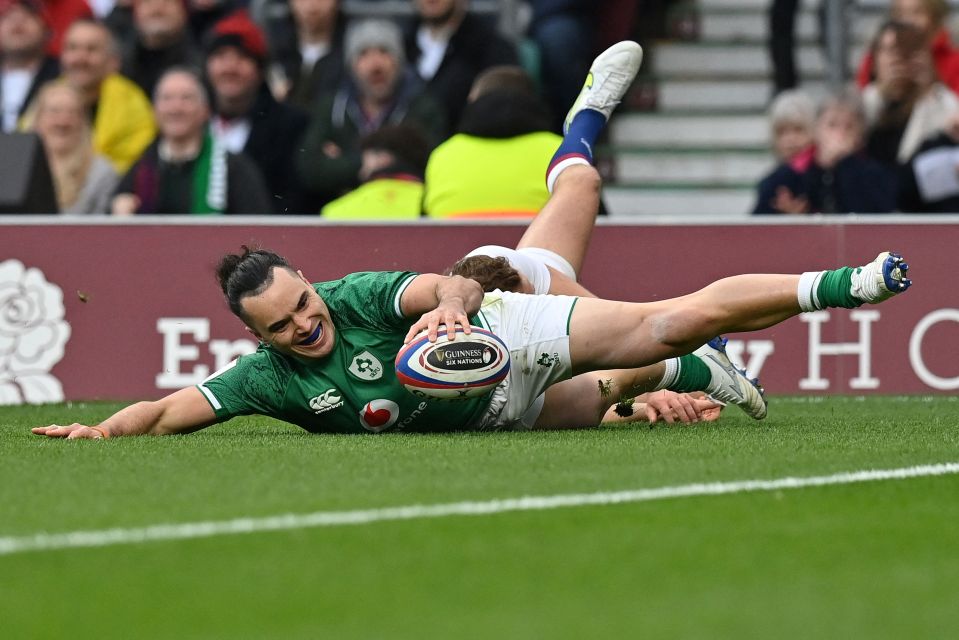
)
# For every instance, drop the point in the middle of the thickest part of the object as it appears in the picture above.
(606, 335)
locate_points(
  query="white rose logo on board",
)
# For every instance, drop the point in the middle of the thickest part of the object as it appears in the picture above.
(33, 333)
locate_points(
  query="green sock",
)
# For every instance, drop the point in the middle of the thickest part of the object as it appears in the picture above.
(693, 375)
(835, 289)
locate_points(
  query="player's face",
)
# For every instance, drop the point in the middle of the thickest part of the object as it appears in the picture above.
(291, 316)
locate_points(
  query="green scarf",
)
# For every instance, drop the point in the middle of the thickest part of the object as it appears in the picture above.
(209, 178)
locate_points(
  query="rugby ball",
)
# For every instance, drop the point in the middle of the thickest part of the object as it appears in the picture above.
(465, 367)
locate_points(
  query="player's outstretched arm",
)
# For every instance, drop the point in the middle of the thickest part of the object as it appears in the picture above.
(446, 300)
(181, 412)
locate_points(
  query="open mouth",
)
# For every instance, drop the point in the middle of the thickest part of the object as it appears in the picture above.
(313, 337)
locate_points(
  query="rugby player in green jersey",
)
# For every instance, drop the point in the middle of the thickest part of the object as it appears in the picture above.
(325, 360)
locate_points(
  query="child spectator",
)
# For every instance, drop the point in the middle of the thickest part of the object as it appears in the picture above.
(792, 116)
(831, 176)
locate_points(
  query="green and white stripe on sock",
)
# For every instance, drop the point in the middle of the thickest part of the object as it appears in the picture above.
(827, 289)
(683, 374)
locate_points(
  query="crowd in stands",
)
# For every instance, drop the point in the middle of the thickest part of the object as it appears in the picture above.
(291, 106)
(889, 143)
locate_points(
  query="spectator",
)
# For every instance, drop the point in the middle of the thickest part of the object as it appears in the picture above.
(247, 118)
(906, 104)
(782, 44)
(380, 91)
(929, 182)
(393, 159)
(120, 112)
(929, 18)
(792, 116)
(24, 65)
(162, 41)
(309, 53)
(205, 14)
(449, 47)
(61, 14)
(832, 176)
(493, 166)
(564, 32)
(186, 170)
(83, 179)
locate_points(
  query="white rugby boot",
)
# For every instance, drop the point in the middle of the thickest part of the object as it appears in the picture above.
(729, 384)
(881, 279)
(609, 77)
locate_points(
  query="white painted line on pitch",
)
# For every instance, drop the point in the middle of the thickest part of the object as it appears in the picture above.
(105, 537)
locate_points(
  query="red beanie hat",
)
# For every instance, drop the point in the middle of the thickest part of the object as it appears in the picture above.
(239, 30)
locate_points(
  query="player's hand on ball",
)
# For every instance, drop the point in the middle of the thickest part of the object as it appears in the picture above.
(73, 431)
(449, 314)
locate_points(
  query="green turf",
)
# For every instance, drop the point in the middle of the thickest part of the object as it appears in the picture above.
(877, 560)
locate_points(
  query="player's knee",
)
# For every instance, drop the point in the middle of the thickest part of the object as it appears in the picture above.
(681, 326)
(583, 177)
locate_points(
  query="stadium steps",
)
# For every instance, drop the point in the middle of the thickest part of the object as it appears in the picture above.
(706, 144)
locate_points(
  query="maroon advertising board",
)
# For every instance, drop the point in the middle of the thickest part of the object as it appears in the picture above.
(132, 311)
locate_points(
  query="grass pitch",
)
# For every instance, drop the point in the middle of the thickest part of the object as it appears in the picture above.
(875, 560)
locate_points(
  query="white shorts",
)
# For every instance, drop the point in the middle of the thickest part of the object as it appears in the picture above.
(536, 331)
(531, 262)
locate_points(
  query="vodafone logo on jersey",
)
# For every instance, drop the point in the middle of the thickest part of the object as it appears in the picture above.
(378, 415)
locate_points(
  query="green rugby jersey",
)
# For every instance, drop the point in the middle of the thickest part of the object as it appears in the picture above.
(352, 390)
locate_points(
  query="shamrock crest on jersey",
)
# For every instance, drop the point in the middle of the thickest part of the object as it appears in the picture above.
(365, 366)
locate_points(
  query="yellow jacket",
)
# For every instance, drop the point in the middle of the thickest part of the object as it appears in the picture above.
(380, 199)
(469, 176)
(124, 125)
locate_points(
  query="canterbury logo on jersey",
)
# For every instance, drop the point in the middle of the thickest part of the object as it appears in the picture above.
(326, 401)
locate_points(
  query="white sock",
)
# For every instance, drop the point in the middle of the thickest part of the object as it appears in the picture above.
(671, 374)
(561, 166)
(808, 285)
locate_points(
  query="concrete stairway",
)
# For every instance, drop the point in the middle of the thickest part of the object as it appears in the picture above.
(707, 144)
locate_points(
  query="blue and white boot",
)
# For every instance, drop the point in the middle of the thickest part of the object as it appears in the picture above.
(728, 383)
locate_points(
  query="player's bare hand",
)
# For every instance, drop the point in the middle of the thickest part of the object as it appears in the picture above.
(680, 407)
(73, 431)
(449, 314)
